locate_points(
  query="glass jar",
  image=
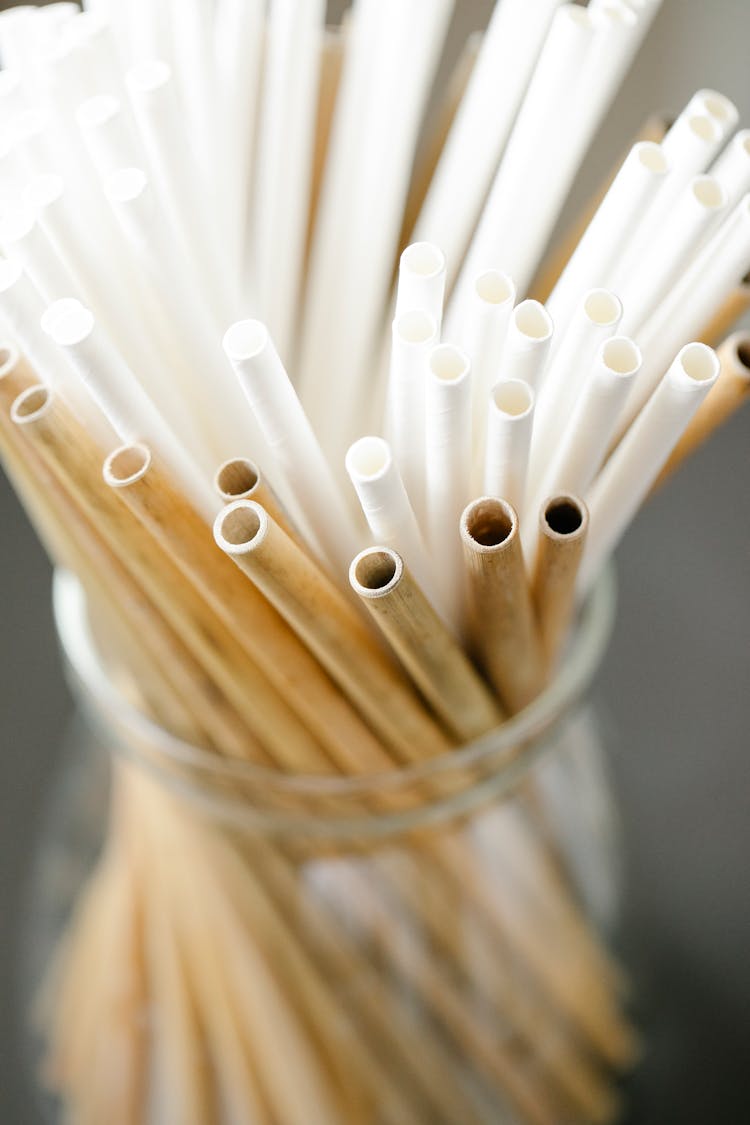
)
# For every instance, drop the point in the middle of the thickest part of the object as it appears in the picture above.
(429, 945)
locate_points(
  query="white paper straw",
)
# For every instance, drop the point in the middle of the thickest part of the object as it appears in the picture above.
(421, 281)
(115, 389)
(23, 240)
(698, 209)
(108, 136)
(179, 180)
(382, 497)
(718, 107)
(447, 468)
(508, 53)
(717, 268)
(194, 63)
(318, 502)
(627, 477)
(240, 26)
(510, 418)
(732, 167)
(584, 441)
(284, 165)
(481, 332)
(527, 344)
(628, 199)
(597, 317)
(392, 52)
(414, 334)
(22, 307)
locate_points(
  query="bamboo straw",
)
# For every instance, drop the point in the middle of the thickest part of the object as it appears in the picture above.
(253, 624)
(76, 462)
(563, 525)
(424, 646)
(329, 627)
(241, 479)
(730, 392)
(735, 305)
(503, 630)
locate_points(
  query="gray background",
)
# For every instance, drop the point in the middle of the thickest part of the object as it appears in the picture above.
(675, 683)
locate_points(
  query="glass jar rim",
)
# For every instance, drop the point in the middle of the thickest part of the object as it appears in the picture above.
(111, 709)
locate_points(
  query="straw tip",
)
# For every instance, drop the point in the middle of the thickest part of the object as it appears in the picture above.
(375, 572)
(246, 339)
(127, 465)
(67, 322)
(425, 259)
(9, 356)
(125, 184)
(368, 458)
(98, 110)
(147, 76)
(698, 362)
(493, 287)
(240, 527)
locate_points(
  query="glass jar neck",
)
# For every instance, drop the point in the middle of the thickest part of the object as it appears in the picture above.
(257, 799)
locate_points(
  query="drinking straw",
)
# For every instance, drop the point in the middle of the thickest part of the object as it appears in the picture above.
(329, 626)
(391, 56)
(431, 656)
(693, 300)
(719, 108)
(481, 332)
(508, 53)
(118, 394)
(75, 461)
(174, 309)
(22, 307)
(596, 319)
(421, 281)
(732, 167)
(694, 213)
(318, 503)
(266, 639)
(384, 501)
(509, 426)
(413, 335)
(527, 344)
(239, 45)
(447, 467)
(110, 140)
(584, 440)
(241, 479)
(629, 198)
(194, 65)
(157, 111)
(24, 241)
(284, 167)
(563, 526)
(632, 469)
(503, 630)
(543, 119)
(438, 126)
(551, 269)
(728, 395)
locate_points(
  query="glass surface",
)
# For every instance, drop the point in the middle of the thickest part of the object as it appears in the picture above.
(421, 946)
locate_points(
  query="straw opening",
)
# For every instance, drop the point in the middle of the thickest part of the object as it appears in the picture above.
(489, 522)
(514, 398)
(651, 156)
(240, 526)
(368, 458)
(415, 327)
(448, 364)
(699, 362)
(237, 478)
(621, 355)
(376, 569)
(494, 287)
(127, 465)
(703, 127)
(564, 516)
(424, 259)
(31, 404)
(743, 353)
(532, 320)
(709, 192)
(246, 339)
(602, 307)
